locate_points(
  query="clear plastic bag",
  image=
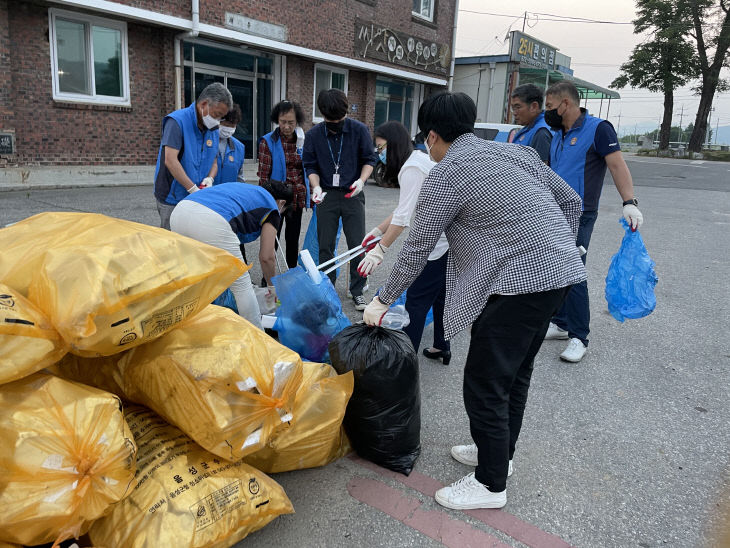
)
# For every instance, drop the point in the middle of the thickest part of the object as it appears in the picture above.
(631, 279)
(396, 317)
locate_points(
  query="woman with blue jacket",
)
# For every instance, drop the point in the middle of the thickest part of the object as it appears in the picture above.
(280, 159)
(231, 151)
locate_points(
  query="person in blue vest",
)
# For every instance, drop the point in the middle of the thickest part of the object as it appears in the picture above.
(280, 159)
(189, 144)
(339, 157)
(226, 215)
(526, 105)
(583, 147)
(231, 151)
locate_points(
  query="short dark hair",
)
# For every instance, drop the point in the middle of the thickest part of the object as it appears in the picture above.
(234, 115)
(528, 94)
(332, 103)
(564, 89)
(449, 114)
(282, 107)
(279, 190)
(399, 146)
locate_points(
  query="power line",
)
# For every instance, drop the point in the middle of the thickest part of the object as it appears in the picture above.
(561, 18)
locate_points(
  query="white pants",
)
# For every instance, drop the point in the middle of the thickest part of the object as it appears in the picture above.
(201, 223)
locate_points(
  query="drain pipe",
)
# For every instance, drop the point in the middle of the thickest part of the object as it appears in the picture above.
(453, 46)
(192, 33)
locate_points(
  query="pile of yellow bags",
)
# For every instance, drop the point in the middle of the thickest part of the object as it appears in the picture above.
(124, 308)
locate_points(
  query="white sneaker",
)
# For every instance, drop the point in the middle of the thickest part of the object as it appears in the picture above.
(574, 352)
(555, 333)
(468, 494)
(467, 454)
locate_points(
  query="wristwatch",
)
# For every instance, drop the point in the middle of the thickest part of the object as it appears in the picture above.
(632, 201)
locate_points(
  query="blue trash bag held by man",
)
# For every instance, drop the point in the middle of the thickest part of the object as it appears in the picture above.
(631, 279)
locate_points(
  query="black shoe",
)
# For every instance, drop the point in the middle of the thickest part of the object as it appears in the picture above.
(445, 355)
(360, 303)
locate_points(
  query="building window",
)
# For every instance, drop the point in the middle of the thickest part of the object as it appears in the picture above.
(89, 58)
(327, 78)
(394, 101)
(423, 9)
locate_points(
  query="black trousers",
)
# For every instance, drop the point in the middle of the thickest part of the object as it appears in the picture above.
(505, 339)
(352, 212)
(293, 220)
(428, 290)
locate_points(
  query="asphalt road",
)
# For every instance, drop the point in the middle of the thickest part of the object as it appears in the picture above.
(627, 448)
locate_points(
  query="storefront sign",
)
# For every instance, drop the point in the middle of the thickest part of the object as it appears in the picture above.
(254, 26)
(7, 143)
(378, 42)
(526, 50)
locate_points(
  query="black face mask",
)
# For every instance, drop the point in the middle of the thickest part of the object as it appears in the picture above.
(553, 119)
(335, 127)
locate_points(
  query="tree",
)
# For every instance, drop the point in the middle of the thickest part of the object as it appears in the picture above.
(666, 60)
(711, 31)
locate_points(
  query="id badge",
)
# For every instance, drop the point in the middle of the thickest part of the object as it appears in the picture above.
(336, 179)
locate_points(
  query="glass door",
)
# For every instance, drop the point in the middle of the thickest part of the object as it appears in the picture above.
(243, 96)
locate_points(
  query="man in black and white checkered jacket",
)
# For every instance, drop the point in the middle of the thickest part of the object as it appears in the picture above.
(511, 223)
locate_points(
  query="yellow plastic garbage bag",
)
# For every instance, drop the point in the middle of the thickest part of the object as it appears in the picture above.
(222, 381)
(316, 437)
(107, 284)
(184, 496)
(67, 456)
(28, 341)
(97, 372)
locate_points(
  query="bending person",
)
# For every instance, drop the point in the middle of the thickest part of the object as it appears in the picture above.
(226, 215)
(428, 290)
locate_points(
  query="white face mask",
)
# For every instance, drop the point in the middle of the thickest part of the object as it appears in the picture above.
(428, 148)
(209, 121)
(226, 132)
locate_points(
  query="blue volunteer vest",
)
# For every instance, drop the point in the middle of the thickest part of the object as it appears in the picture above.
(525, 135)
(246, 207)
(278, 162)
(230, 163)
(198, 154)
(568, 153)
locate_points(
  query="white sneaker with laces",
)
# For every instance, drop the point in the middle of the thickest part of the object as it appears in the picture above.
(574, 352)
(469, 494)
(467, 454)
(360, 303)
(555, 333)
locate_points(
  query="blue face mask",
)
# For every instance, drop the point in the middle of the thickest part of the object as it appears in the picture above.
(383, 155)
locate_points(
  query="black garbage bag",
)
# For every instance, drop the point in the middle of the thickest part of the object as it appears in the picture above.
(383, 417)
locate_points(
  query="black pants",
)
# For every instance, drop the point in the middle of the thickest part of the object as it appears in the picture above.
(504, 341)
(352, 212)
(293, 219)
(428, 290)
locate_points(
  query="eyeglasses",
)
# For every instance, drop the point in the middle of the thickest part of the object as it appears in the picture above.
(380, 148)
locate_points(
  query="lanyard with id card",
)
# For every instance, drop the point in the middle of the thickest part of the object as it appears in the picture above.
(336, 174)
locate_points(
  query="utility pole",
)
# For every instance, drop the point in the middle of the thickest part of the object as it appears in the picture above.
(618, 127)
(681, 131)
(709, 126)
(524, 22)
(717, 127)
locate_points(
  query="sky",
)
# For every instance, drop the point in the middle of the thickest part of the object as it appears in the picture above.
(596, 51)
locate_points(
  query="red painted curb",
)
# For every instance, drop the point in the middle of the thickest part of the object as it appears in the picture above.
(497, 519)
(432, 523)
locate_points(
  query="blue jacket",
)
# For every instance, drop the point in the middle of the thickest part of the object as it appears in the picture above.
(525, 135)
(246, 207)
(230, 163)
(568, 158)
(278, 161)
(198, 154)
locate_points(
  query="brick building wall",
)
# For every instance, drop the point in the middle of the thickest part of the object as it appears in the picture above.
(51, 132)
(7, 122)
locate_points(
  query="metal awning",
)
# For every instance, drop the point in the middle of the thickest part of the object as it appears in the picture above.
(586, 89)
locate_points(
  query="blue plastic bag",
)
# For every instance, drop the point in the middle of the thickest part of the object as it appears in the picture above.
(227, 300)
(631, 279)
(310, 314)
(311, 242)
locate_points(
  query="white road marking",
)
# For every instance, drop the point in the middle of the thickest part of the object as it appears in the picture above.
(666, 163)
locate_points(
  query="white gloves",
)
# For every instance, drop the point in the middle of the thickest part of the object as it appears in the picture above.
(205, 183)
(633, 216)
(374, 312)
(300, 137)
(318, 195)
(372, 260)
(192, 189)
(374, 233)
(356, 188)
